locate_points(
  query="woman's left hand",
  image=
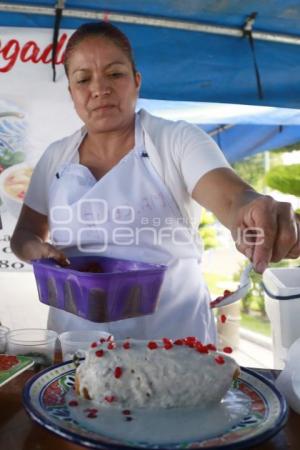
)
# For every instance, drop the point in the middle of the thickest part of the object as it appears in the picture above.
(267, 231)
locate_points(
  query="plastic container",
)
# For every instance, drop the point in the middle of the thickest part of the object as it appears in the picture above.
(37, 343)
(79, 342)
(229, 331)
(122, 290)
(3, 333)
(282, 301)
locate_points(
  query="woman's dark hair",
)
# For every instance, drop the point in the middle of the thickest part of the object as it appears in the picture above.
(99, 29)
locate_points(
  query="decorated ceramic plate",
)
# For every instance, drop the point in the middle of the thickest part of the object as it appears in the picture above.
(252, 411)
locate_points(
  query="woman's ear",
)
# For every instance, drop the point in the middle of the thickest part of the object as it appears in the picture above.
(138, 80)
(69, 89)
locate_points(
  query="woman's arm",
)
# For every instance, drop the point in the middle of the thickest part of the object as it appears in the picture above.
(264, 230)
(29, 238)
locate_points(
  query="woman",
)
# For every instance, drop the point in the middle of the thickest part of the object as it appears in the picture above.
(130, 185)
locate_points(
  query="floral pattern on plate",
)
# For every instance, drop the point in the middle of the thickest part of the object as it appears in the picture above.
(46, 398)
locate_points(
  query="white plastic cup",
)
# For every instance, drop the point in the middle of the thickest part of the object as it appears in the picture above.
(37, 343)
(79, 341)
(3, 332)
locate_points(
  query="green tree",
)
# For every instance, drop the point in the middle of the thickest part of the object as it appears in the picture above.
(251, 170)
(207, 230)
(285, 179)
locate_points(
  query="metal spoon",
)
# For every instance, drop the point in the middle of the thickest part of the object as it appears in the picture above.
(19, 115)
(245, 285)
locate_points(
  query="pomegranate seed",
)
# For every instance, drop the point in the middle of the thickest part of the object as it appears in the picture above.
(111, 345)
(190, 344)
(211, 347)
(178, 342)
(110, 398)
(99, 353)
(91, 415)
(118, 372)
(227, 350)
(152, 345)
(201, 348)
(223, 318)
(73, 403)
(126, 412)
(191, 339)
(126, 345)
(226, 293)
(167, 343)
(94, 344)
(168, 346)
(219, 359)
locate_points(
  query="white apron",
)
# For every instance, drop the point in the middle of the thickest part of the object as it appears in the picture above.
(129, 213)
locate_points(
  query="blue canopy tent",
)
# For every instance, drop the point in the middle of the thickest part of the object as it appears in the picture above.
(200, 51)
(193, 50)
(240, 130)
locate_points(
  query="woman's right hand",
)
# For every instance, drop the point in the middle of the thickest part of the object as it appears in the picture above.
(49, 251)
(29, 240)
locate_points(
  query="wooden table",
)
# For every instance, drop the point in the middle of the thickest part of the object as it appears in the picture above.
(19, 432)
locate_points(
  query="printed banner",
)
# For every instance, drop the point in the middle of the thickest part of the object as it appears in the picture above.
(34, 111)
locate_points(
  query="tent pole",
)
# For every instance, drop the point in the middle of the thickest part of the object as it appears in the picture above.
(220, 129)
(152, 21)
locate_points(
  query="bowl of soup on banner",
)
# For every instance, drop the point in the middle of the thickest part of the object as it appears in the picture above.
(14, 182)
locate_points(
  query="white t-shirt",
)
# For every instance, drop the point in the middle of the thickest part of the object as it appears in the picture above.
(180, 152)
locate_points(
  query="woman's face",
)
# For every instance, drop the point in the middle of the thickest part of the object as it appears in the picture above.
(102, 85)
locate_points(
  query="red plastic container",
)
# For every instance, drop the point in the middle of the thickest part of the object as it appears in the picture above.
(119, 289)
